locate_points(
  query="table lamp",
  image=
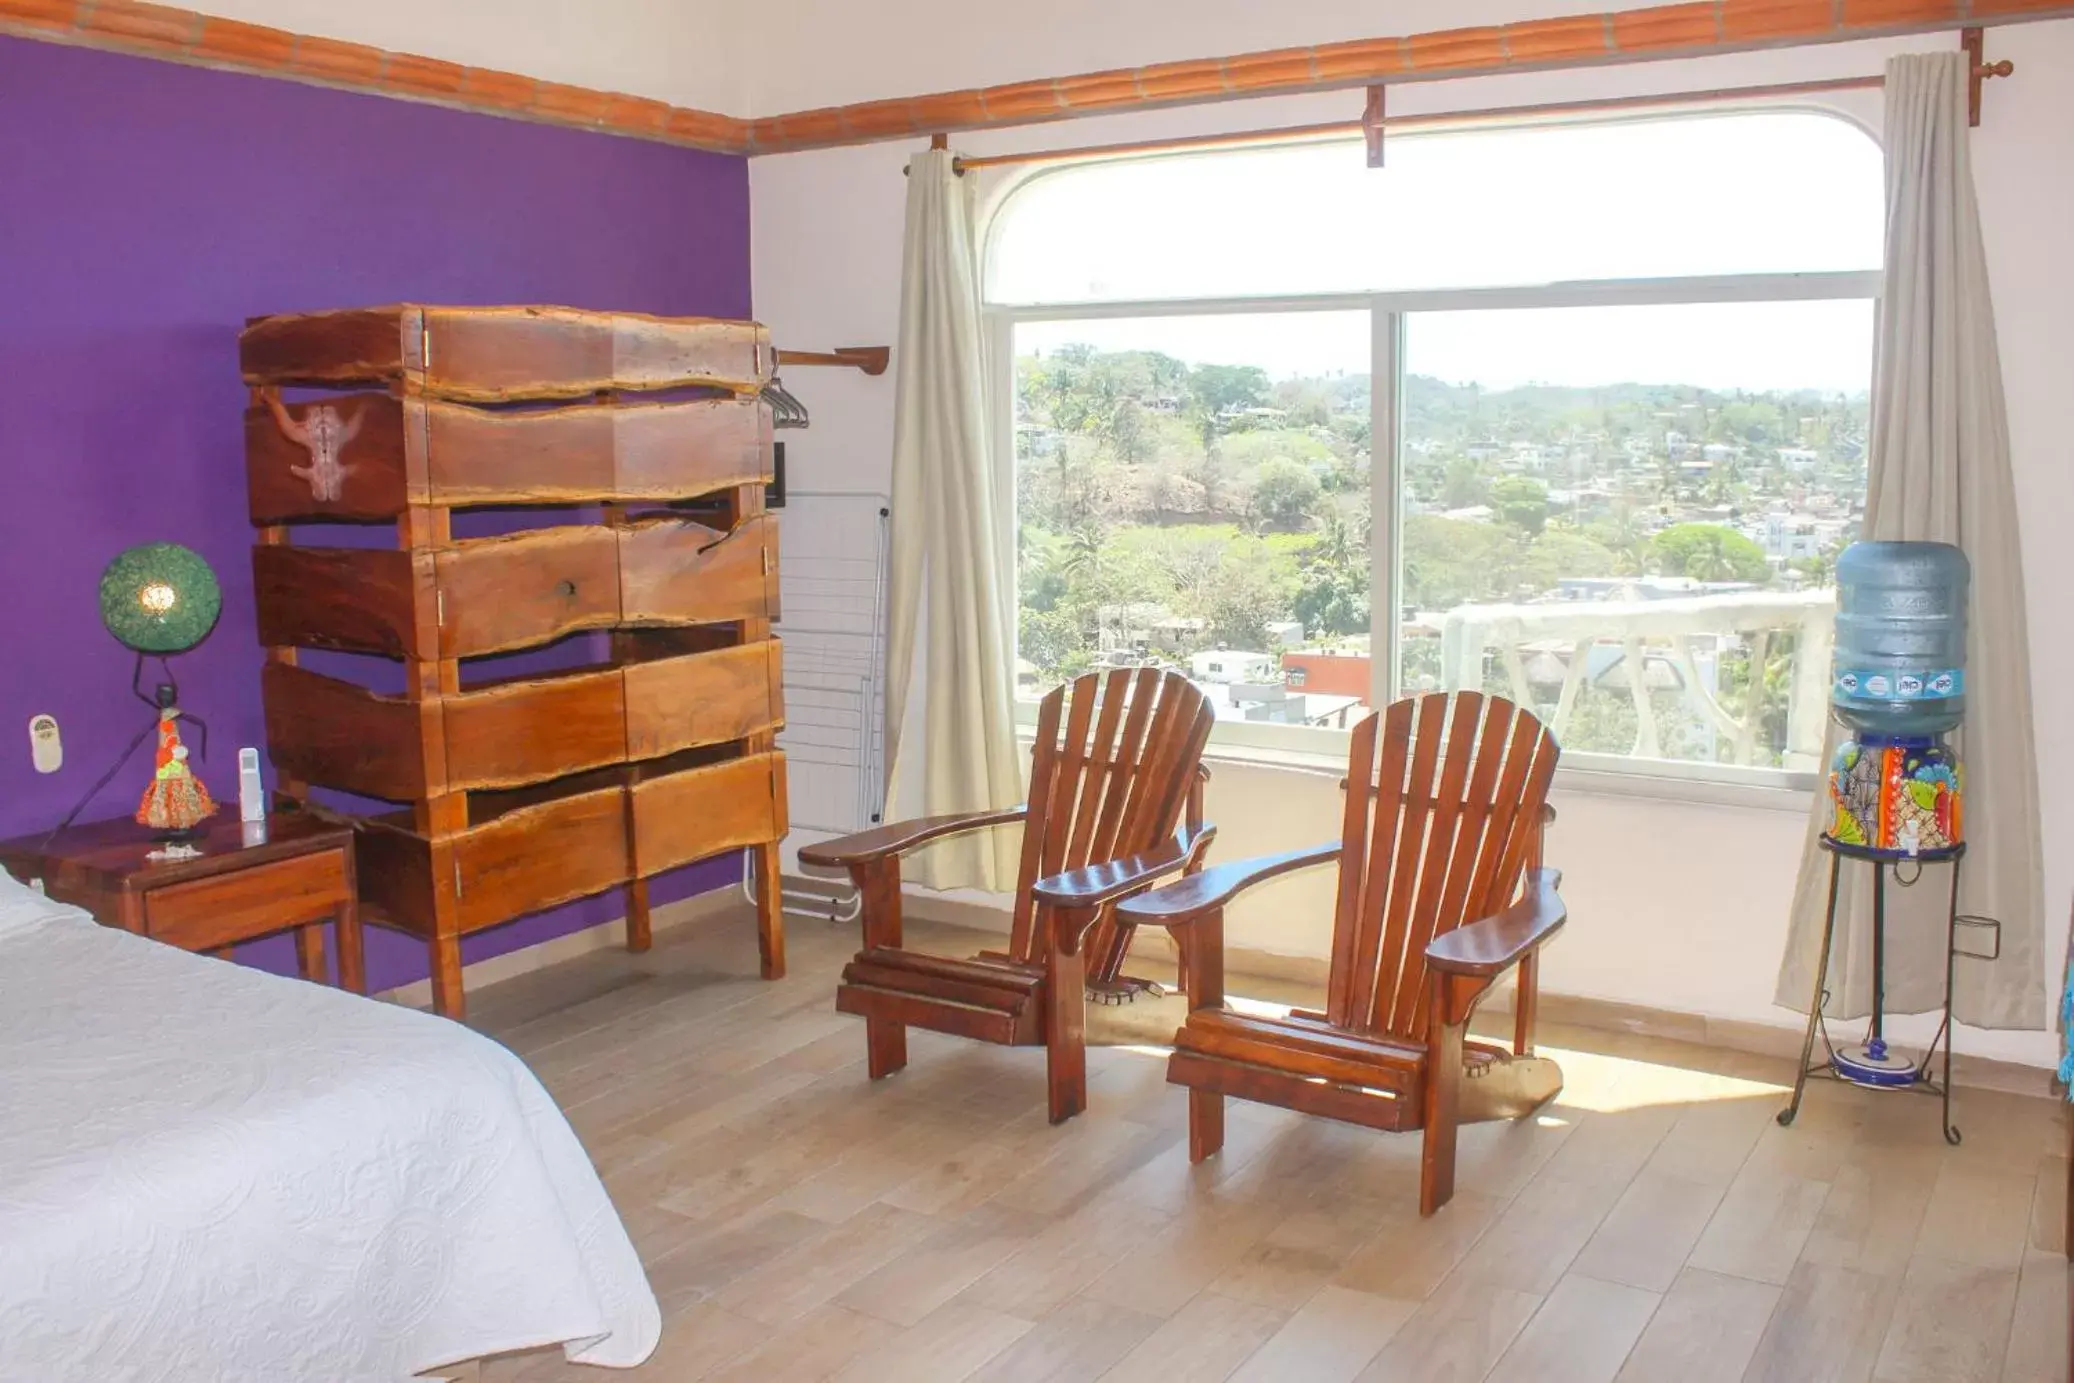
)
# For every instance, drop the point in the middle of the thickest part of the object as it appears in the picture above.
(159, 599)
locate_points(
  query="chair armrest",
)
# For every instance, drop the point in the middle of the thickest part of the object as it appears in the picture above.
(1214, 887)
(1096, 884)
(1493, 945)
(883, 842)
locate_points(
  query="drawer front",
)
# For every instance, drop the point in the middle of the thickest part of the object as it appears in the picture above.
(597, 453)
(363, 600)
(369, 456)
(526, 589)
(323, 730)
(491, 353)
(697, 814)
(253, 902)
(703, 698)
(341, 458)
(677, 573)
(527, 732)
(327, 731)
(395, 870)
(490, 595)
(486, 354)
(539, 856)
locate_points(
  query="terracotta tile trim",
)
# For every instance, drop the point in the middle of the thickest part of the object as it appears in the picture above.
(181, 35)
(1687, 29)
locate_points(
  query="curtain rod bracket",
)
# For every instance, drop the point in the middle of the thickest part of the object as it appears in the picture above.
(870, 359)
(1973, 40)
(941, 141)
(1372, 126)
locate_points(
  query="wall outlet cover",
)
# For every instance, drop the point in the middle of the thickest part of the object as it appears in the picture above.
(46, 746)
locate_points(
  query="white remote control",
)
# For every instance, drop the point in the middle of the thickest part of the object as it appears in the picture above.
(251, 796)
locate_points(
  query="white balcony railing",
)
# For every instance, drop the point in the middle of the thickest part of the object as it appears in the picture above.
(1683, 633)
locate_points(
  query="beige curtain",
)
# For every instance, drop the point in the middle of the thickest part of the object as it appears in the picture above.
(1940, 470)
(951, 632)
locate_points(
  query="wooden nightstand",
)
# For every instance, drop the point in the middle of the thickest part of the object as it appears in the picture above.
(292, 870)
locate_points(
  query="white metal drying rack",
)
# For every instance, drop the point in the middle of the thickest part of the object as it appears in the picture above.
(832, 572)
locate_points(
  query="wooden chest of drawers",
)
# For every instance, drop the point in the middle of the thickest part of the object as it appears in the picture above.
(514, 794)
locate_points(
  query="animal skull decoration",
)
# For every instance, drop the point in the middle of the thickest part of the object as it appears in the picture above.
(324, 434)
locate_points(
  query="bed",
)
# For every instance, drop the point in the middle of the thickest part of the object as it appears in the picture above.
(210, 1173)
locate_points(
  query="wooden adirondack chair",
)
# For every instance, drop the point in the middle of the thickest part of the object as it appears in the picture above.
(1444, 816)
(1104, 820)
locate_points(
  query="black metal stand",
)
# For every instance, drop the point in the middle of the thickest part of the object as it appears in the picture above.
(1920, 1083)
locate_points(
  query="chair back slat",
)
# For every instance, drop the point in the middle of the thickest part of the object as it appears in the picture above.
(1073, 764)
(1116, 753)
(1474, 811)
(1444, 816)
(1530, 760)
(1444, 799)
(1096, 779)
(1043, 778)
(1410, 805)
(1353, 873)
(1159, 794)
(1378, 838)
(1143, 689)
(1173, 751)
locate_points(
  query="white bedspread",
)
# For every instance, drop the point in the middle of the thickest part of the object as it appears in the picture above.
(214, 1174)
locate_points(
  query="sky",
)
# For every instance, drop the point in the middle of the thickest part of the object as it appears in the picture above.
(1771, 192)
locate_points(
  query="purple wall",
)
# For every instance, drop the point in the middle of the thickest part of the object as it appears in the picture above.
(150, 209)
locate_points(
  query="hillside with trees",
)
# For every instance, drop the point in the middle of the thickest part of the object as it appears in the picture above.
(1167, 508)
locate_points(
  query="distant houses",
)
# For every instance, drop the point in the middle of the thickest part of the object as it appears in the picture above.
(1787, 536)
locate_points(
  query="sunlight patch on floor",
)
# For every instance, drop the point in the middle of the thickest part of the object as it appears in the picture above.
(1593, 1082)
(1600, 1084)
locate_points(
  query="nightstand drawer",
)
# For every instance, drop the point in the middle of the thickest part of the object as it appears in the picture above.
(247, 903)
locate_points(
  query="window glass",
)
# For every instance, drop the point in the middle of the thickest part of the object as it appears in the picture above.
(1193, 493)
(1629, 517)
(1748, 193)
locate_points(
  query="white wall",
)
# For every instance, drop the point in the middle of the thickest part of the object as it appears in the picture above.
(686, 52)
(1674, 904)
(2024, 172)
(811, 53)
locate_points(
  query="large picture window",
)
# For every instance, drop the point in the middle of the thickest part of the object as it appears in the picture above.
(1572, 413)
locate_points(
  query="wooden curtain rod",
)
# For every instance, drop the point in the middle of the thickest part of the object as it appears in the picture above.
(870, 359)
(1375, 120)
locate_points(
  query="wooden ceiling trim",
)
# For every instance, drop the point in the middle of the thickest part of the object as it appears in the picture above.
(1685, 29)
(181, 35)
(1571, 41)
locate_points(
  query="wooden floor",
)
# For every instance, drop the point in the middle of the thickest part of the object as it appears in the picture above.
(801, 1222)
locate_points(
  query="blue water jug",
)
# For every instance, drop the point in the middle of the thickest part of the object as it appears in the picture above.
(1901, 638)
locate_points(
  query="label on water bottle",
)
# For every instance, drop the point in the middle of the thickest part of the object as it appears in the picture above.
(1934, 685)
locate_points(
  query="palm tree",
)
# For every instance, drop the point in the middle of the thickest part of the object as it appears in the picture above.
(1335, 547)
(1084, 545)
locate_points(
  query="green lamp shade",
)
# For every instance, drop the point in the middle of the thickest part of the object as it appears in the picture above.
(160, 598)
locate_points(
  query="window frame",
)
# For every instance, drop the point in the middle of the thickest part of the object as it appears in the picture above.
(1680, 779)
